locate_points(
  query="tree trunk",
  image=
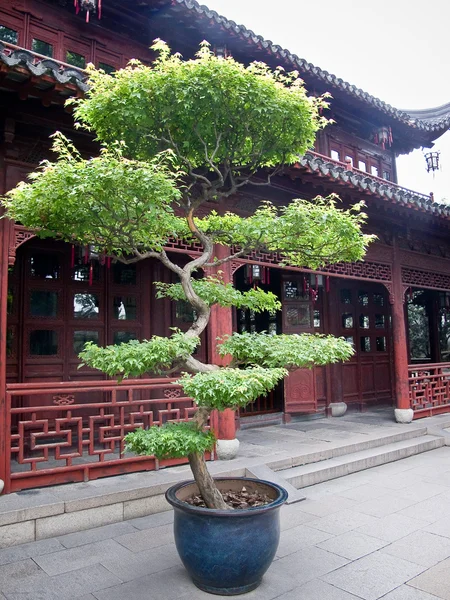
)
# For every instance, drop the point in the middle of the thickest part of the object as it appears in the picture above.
(210, 494)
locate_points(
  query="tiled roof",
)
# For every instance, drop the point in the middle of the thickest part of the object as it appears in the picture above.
(333, 171)
(434, 120)
(23, 63)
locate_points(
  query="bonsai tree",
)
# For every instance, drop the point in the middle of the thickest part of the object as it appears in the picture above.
(176, 137)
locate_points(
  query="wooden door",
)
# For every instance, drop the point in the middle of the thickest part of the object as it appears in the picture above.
(303, 313)
(364, 317)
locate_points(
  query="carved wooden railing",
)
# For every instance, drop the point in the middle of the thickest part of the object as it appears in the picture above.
(429, 388)
(67, 432)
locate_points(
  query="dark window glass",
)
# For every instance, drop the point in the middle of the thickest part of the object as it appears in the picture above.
(44, 266)
(350, 339)
(43, 304)
(363, 298)
(378, 299)
(77, 60)
(8, 35)
(81, 337)
(43, 342)
(82, 272)
(125, 308)
(10, 339)
(186, 314)
(107, 68)
(298, 316)
(317, 318)
(346, 296)
(85, 306)
(347, 321)
(381, 344)
(386, 175)
(42, 47)
(121, 337)
(124, 274)
(10, 301)
(380, 322)
(365, 344)
(364, 322)
(290, 290)
(419, 328)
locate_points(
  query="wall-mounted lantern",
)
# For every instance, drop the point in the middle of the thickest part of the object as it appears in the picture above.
(432, 160)
(383, 137)
(89, 6)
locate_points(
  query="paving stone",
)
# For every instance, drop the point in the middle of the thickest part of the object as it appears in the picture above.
(421, 547)
(299, 537)
(77, 521)
(430, 510)
(145, 506)
(155, 520)
(308, 564)
(144, 539)
(373, 576)
(143, 563)
(406, 592)
(17, 533)
(342, 521)
(325, 505)
(16, 553)
(441, 527)
(360, 493)
(317, 590)
(18, 570)
(81, 556)
(421, 490)
(292, 516)
(435, 580)
(96, 535)
(75, 584)
(352, 545)
(384, 505)
(392, 527)
(28, 505)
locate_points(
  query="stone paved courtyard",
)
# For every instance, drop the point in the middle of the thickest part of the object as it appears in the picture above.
(381, 533)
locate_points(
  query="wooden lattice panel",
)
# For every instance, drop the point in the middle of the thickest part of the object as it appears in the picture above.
(429, 386)
(425, 279)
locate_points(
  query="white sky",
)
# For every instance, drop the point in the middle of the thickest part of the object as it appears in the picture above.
(396, 50)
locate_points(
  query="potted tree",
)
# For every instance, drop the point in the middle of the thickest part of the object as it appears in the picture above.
(177, 139)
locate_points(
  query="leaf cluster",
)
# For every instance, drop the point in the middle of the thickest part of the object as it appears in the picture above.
(230, 388)
(134, 358)
(171, 440)
(213, 290)
(288, 351)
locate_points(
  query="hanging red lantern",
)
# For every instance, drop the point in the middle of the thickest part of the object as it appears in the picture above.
(88, 6)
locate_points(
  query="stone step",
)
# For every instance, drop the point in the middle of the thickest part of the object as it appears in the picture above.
(343, 449)
(313, 473)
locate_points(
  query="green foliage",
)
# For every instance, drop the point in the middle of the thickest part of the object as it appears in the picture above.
(289, 351)
(134, 358)
(230, 388)
(172, 440)
(207, 110)
(115, 203)
(213, 290)
(307, 233)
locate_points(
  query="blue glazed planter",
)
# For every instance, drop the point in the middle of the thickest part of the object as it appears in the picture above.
(227, 552)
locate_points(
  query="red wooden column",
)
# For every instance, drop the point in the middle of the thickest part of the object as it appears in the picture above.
(403, 411)
(221, 323)
(335, 392)
(4, 245)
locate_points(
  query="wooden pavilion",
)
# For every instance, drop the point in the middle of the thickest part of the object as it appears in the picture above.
(59, 423)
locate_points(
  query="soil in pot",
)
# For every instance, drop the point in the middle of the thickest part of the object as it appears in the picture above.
(238, 499)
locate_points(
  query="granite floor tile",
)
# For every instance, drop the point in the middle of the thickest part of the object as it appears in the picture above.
(317, 590)
(151, 521)
(293, 540)
(98, 534)
(421, 490)
(435, 580)
(373, 576)
(441, 527)
(144, 539)
(430, 510)
(308, 564)
(384, 505)
(81, 556)
(352, 545)
(18, 570)
(292, 515)
(421, 547)
(321, 507)
(143, 563)
(365, 492)
(67, 586)
(406, 592)
(17, 553)
(393, 527)
(343, 521)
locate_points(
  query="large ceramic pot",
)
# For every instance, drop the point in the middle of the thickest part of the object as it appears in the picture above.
(227, 551)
